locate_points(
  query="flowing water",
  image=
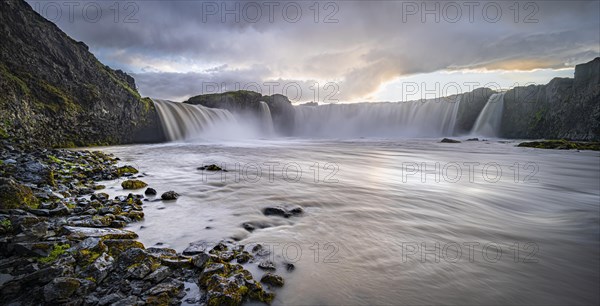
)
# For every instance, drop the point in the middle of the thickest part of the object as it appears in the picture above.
(489, 120)
(426, 118)
(389, 221)
(386, 221)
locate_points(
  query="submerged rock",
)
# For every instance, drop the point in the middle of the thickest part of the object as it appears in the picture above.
(448, 140)
(169, 195)
(562, 145)
(285, 212)
(212, 167)
(266, 265)
(272, 279)
(150, 192)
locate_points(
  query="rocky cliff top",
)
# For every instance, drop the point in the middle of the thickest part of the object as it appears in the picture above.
(54, 92)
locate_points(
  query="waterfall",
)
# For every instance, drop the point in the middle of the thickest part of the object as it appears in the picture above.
(265, 118)
(489, 120)
(183, 121)
(424, 118)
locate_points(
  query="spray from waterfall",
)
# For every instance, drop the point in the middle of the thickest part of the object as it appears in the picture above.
(489, 120)
(182, 121)
(424, 118)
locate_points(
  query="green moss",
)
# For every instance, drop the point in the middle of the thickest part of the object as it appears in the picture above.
(6, 226)
(562, 145)
(133, 184)
(14, 195)
(118, 246)
(91, 279)
(6, 74)
(3, 133)
(126, 169)
(56, 252)
(87, 257)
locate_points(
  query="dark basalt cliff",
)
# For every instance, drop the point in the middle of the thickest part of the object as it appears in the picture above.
(566, 108)
(244, 102)
(54, 92)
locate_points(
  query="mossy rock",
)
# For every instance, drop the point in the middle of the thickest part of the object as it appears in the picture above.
(5, 226)
(133, 184)
(55, 253)
(16, 196)
(126, 169)
(118, 246)
(561, 144)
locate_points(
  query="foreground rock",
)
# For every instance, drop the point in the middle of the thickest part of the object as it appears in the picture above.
(133, 184)
(169, 195)
(62, 243)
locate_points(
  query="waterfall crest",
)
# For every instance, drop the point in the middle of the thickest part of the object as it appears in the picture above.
(265, 118)
(183, 121)
(489, 120)
(425, 118)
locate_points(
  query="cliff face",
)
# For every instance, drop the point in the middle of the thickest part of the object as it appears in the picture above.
(244, 102)
(54, 92)
(564, 108)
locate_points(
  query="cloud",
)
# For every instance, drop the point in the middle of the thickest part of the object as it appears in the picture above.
(173, 46)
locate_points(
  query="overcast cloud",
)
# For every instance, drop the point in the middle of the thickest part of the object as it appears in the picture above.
(176, 49)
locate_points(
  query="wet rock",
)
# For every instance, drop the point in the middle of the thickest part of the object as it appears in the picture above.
(212, 167)
(110, 299)
(283, 211)
(60, 210)
(290, 267)
(118, 246)
(80, 233)
(169, 195)
(38, 249)
(275, 211)
(272, 279)
(171, 287)
(200, 260)
(196, 248)
(133, 184)
(266, 265)
(249, 227)
(14, 195)
(243, 257)
(161, 251)
(159, 275)
(60, 289)
(150, 192)
(126, 171)
(473, 139)
(100, 268)
(448, 140)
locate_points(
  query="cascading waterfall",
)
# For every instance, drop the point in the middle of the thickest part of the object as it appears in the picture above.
(426, 118)
(266, 119)
(183, 121)
(489, 120)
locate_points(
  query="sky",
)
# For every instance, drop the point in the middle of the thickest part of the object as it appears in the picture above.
(345, 51)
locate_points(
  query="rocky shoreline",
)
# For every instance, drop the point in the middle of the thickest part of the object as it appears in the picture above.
(62, 242)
